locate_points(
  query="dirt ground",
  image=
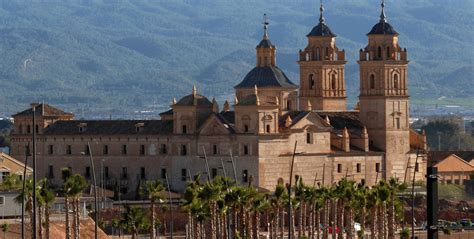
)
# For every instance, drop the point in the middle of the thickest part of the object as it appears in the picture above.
(57, 230)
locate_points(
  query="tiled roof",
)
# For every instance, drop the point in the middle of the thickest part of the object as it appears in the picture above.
(110, 127)
(168, 112)
(266, 76)
(43, 110)
(435, 157)
(294, 115)
(229, 116)
(341, 119)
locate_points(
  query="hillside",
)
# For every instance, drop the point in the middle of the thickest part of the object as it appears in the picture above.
(120, 56)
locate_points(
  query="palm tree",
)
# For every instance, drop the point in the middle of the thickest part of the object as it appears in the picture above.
(394, 187)
(360, 206)
(277, 201)
(47, 197)
(153, 192)
(133, 220)
(65, 175)
(11, 182)
(260, 204)
(383, 194)
(210, 194)
(27, 196)
(372, 208)
(76, 184)
(349, 205)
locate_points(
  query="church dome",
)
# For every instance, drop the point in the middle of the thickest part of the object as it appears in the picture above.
(265, 43)
(382, 28)
(266, 76)
(321, 30)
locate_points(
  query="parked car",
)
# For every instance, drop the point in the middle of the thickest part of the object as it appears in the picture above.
(465, 223)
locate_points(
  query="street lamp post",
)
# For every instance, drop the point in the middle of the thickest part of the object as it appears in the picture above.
(413, 196)
(27, 153)
(96, 218)
(34, 172)
(171, 204)
(289, 192)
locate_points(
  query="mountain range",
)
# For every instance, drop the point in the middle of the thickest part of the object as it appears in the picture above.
(119, 57)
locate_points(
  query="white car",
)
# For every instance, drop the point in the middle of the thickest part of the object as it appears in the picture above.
(357, 227)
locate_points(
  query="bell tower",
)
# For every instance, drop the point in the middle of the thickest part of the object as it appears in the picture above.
(384, 104)
(322, 84)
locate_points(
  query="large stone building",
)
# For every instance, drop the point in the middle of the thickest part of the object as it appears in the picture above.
(270, 116)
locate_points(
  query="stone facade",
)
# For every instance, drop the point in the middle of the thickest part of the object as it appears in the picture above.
(270, 117)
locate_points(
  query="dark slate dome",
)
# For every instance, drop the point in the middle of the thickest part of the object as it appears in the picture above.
(321, 30)
(189, 100)
(265, 43)
(382, 28)
(266, 76)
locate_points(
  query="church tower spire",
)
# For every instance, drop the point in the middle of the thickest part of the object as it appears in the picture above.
(384, 104)
(265, 49)
(322, 84)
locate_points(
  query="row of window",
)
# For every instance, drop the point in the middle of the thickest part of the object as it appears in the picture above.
(185, 174)
(28, 129)
(377, 168)
(333, 81)
(124, 149)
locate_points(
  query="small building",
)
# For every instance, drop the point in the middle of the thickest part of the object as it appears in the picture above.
(454, 170)
(8, 207)
(9, 165)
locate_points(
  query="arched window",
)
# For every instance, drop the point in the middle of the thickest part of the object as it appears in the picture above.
(311, 81)
(372, 81)
(395, 81)
(333, 81)
(388, 52)
(288, 105)
(379, 52)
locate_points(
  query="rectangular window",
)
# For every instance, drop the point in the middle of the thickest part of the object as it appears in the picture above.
(339, 168)
(88, 172)
(27, 150)
(105, 150)
(124, 173)
(50, 149)
(417, 167)
(246, 149)
(86, 150)
(163, 173)
(50, 174)
(106, 172)
(2, 200)
(184, 150)
(183, 174)
(245, 176)
(184, 129)
(377, 167)
(213, 172)
(124, 149)
(246, 128)
(163, 149)
(358, 168)
(69, 149)
(142, 173)
(308, 138)
(456, 181)
(214, 149)
(397, 121)
(142, 149)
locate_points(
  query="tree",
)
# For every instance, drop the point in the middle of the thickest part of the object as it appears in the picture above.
(46, 196)
(66, 173)
(11, 182)
(153, 192)
(27, 196)
(394, 187)
(133, 220)
(74, 186)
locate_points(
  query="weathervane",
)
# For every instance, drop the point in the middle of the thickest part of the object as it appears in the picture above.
(321, 10)
(265, 26)
(383, 18)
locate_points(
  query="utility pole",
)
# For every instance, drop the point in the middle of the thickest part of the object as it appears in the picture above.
(289, 192)
(171, 204)
(27, 153)
(413, 197)
(96, 204)
(34, 172)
